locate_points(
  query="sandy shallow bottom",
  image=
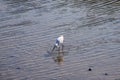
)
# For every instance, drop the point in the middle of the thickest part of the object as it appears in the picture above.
(28, 30)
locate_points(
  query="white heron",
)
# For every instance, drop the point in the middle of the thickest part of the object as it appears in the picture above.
(59, 42)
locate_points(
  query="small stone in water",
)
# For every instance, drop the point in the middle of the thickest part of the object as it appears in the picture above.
(89, 69)
(106, 74)
(18, 68)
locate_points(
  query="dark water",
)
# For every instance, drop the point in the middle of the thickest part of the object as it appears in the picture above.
(28, 29)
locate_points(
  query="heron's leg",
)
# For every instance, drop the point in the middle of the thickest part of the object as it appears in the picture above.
(59, 48)
(54, 47)
(62, 47)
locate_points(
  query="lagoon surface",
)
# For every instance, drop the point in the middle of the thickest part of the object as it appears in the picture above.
(28, 29)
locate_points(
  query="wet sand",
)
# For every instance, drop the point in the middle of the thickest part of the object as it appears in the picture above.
(28, 30)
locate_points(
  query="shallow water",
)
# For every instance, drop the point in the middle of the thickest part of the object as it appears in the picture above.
(28, 30)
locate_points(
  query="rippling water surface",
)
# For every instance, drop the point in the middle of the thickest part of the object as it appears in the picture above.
(28, 29)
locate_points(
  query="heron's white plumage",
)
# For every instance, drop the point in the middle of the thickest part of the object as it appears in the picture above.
(59, 40)
(59, 43)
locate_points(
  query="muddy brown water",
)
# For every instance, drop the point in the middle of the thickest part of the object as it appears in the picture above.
(28, 29)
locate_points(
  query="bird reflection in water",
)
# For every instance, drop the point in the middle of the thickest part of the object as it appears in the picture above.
(58, 58)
